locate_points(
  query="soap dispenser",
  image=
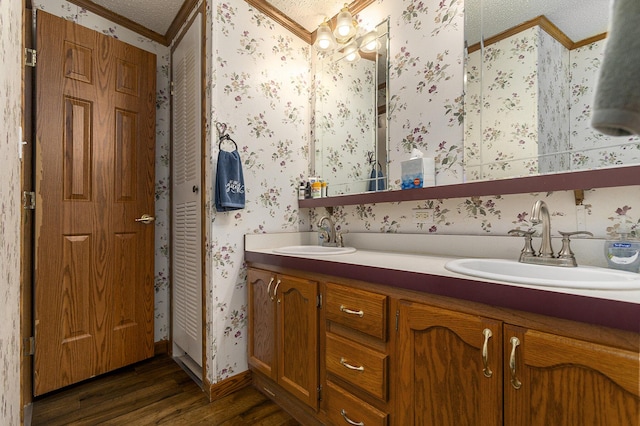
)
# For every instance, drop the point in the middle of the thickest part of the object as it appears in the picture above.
(623, 253)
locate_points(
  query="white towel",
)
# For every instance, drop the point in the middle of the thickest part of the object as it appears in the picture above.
(616, 109)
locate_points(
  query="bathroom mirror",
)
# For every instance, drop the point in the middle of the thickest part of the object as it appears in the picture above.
(350, 125)
(528, 90)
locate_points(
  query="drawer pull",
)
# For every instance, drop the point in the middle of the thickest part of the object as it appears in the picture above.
(349, 366)
(351, 312)
(515, 342)
(348, 420)
(485, 353)
(269, 288)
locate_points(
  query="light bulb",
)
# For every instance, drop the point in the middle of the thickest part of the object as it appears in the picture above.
(370, 42)
(344, 24)
(343, 30)
(324, 38)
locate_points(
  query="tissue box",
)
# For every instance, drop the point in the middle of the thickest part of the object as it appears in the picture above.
(418, 173)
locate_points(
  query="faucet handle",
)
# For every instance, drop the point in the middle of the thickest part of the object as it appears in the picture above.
(527, 250)
(339, 240)
(565, 252)
(571, 234)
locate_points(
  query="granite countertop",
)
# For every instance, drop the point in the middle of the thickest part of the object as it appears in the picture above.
(416, 262)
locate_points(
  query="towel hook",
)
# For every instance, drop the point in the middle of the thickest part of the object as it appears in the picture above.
(222, 129)
(370, 157)
(223, 135)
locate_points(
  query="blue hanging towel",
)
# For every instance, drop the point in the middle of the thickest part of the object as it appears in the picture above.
(229, 186)
(376, 179)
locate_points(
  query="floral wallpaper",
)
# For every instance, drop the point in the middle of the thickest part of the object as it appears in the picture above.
(87, 19)
(524, 98)
(10, 209)
(258, 84)
(345, 123)
(593, 149)
(546, 90)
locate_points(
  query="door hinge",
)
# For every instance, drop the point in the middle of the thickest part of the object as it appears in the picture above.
(319, 301)
(30, 56)
(397, 318)
(320, 393)
(29, 200)
(171, 91)
(28, 346)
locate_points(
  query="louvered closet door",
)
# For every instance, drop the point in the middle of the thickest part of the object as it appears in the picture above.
(187, 197)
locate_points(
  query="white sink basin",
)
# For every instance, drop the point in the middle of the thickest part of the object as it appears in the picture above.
(583, 277)
(313, 250)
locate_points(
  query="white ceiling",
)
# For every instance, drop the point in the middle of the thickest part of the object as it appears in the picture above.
(156, 15)
(578, 19)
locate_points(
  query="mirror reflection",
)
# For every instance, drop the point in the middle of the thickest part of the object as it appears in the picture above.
(350, 118)
(529, 88)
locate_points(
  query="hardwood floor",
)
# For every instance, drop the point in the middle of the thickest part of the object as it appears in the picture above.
(156, 391)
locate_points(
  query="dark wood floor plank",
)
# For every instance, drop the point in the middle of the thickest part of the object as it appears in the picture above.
(156, 391)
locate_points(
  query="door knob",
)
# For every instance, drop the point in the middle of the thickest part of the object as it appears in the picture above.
(146, 219)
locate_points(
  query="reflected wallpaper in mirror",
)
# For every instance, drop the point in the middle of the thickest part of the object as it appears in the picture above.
(528, 94)
(350, 120)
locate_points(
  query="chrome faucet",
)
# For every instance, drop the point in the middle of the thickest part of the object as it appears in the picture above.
(540, 214)
(329, 238)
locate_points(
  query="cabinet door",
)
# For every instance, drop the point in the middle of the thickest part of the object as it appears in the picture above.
(447, 374)
(564, 381)
(262, 322)
(298, 337)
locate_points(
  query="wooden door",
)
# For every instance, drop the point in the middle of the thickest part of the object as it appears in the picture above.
(441, 377)
(95, 150)
(565, 381)
(297, 335)
(262, 322)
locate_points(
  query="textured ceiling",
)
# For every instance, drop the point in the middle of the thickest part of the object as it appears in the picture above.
(578, 19)
(156, 15)
(308, 13)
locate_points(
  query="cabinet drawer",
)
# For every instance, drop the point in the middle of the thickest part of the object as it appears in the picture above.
(345, 409)
(357, 364)
(358, 309)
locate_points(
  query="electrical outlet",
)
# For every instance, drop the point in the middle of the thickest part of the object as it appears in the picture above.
(423, 216)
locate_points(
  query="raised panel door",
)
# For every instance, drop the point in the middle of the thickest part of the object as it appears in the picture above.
(297, 336)
(556, 380)
(262, 322)
(447, 374)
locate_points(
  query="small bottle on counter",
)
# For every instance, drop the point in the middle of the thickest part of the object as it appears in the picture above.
(301, 191)
(324, 188)
(623, 253)
(316, 189)
(307, 190)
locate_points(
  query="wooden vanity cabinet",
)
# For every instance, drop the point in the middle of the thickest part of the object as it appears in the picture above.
(536, 377)
(557, 380)
(379, 355)
(283, 332)
(356, 356)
